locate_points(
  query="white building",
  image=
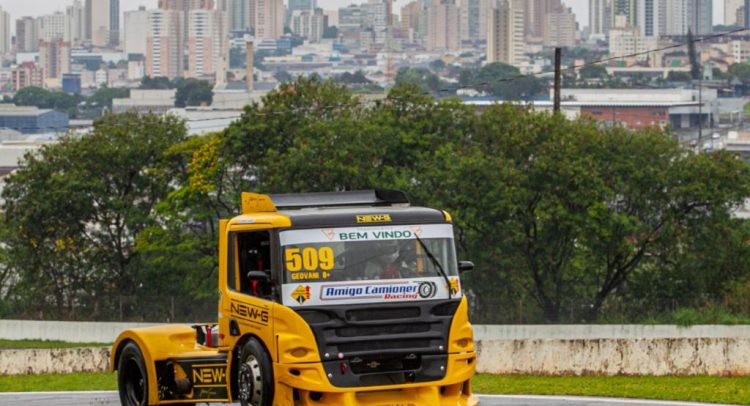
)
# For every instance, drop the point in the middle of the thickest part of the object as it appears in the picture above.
(599, 19)
(652, 17)
(76, 23)
(308, 24)
(101, 77)
(135, 29)
(730, 11)
(740, 51)
(625, 39)
(4, 31)
(506, 30)
(53, 26)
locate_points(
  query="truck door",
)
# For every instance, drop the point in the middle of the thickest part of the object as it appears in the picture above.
(250, 292)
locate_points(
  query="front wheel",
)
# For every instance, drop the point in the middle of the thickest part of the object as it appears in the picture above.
(132, 378)
(255, 375)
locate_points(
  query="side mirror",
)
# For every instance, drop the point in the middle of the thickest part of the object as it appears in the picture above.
(465, 266)
(259, 276)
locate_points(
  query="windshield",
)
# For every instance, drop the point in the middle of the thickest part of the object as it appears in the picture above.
(368, 264)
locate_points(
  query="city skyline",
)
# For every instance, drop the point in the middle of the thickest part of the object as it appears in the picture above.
(20, 8)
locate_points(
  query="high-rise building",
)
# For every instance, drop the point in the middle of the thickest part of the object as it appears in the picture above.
(269, 19)
(702, 16)
(410, 21)
(103, 22)
(301, 5)
(375, 20)
(4, 31)
(560, 28)
(505, 32)
(207, 41)
(27, 35)
(308, 24)
(625, 39)
(599, 18)
(240, 13)
(535, 14)
(53, 26)
(625, 8)
(474, 19)
(164, 43)
(54, 57)
(350, 18)
(730, 11)
(135, 27)
(27, 74)
(651, 17)
(443, 26)
(76, 23)
(747, 14)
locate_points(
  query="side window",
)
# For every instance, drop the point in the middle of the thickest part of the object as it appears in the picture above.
(253, 263)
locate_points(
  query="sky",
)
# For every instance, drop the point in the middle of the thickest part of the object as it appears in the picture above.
(18, 8)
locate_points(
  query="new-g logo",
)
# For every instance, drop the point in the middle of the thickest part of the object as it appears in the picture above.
(427, 290)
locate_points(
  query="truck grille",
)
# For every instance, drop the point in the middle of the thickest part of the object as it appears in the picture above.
(384, 344)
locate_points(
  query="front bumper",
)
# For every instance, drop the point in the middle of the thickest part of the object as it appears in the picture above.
(307, 384)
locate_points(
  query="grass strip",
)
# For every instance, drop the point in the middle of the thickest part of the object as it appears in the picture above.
(35, 344)
(710, 389)
(59, 382)
(734, 390)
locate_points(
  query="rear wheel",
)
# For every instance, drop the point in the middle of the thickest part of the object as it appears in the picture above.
(255, 375)
(132, 378)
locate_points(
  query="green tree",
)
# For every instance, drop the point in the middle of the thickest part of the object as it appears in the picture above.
(193, 92)
(76, 208)
(156, 83)
(502, 80)
(283, 76)
(676, 76)
(594, 71)
(741, 71)
(104, 95)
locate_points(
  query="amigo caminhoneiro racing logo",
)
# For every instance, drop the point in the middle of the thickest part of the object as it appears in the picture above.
(384, 291)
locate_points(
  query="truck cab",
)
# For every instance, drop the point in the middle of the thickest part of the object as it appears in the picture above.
(348, 298)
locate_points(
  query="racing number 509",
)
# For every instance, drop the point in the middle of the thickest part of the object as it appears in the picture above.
(309, 259)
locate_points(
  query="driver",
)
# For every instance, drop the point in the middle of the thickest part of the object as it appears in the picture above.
(404, 266)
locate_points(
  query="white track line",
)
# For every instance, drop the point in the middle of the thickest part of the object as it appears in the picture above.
(520, 397)
(597, 399)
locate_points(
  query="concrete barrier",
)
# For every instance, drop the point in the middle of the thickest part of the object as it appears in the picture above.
(70, 331)
(659, 356)
(53, 361)
(547, 350)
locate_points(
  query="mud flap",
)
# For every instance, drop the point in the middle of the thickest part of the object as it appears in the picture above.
(193, 380)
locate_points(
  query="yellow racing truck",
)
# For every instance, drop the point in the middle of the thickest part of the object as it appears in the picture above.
(348, 298)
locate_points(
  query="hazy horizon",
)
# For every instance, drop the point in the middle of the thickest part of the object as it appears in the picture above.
(20, 8)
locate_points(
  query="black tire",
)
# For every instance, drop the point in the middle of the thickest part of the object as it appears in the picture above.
(132, 378)
(255, 381)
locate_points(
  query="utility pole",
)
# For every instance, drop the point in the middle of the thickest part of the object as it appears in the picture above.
(558, 74)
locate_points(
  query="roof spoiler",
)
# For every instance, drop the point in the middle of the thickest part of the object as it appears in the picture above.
(256, 202)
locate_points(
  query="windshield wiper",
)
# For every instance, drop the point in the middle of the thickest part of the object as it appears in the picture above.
(437, 265)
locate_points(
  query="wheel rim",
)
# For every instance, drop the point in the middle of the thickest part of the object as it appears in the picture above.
(134, 383)
(251, 381)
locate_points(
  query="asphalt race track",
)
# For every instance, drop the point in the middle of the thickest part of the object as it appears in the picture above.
(110, 398)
